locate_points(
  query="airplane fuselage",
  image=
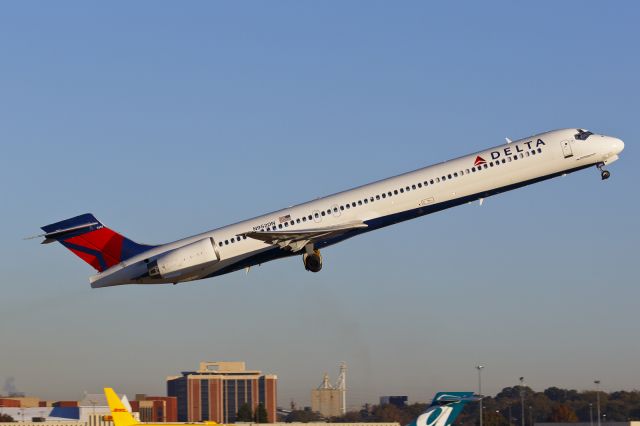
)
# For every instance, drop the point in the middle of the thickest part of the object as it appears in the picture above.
(372, 206)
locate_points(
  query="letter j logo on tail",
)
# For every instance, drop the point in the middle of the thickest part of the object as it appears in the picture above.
(479, 161)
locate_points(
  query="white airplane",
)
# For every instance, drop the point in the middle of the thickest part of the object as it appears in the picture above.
(306, 228)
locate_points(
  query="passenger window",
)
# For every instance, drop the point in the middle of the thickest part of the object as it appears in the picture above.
(353, 204)
(226, 242)
(304, 219)
(473, 170)
(402, 190)
(366, 201)
(521, 156)
(286, 225)
(539, 150)
(384, 195)
(526, 153)
(438, 180)
(311, 217)
(454, 175)
(449, 176)
(220, 244)
(491, 164)
(419, 185)
(503, 161)
(414, 187)
(348, 206)
(317, 215)
(390, 193)
(292, 223)
(322, 213)
(515, 157)
(378, 197)
(444, 178)
(233, 240)
(359, 202)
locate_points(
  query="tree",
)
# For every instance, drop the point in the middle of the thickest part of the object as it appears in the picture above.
(493, 418)
(389, 413)
(261, 414)
(562, 413)
(303, 416)
(6, 418)
(244, 413)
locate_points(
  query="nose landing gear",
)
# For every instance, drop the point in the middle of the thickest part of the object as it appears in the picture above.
(604, 174)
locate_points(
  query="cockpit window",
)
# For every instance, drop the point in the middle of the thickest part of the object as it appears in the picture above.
(582, 135)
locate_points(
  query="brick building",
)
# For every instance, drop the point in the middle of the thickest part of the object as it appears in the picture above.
(216, 391)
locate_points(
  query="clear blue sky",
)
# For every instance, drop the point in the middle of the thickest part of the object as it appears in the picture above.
(166, 119)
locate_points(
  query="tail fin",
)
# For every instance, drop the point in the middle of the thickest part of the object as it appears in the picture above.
(121, 416)
(444, 409)
(91, 241)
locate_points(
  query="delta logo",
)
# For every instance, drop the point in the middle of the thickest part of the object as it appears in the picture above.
(479, 161)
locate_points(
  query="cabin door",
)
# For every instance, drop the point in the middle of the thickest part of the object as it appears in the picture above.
(566, 148)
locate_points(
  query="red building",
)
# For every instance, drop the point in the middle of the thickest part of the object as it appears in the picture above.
(6, 402)
(217, 390)
(156, 409)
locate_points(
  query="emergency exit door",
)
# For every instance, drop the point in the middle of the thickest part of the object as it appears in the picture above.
(566, 148)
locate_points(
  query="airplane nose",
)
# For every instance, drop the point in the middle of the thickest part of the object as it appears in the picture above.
(617, 146)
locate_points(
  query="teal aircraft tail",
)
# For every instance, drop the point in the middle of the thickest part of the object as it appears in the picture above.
(444, 409)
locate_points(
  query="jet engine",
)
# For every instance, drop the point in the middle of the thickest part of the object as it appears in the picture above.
(312, 261)
(189, 258)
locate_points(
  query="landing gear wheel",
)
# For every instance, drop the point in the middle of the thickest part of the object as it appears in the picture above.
(312, 262)
(605, 174)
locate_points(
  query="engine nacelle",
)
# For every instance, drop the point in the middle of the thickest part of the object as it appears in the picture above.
(312, 262)
(189, 258)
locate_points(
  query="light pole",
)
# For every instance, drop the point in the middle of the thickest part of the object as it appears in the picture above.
(597, 382)
(590, 414)
(479, 368)
(522, 399)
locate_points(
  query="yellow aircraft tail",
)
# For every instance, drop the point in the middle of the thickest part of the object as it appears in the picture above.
(121, 416)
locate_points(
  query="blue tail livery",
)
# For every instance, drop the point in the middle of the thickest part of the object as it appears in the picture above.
(91, 241)
(444, 409)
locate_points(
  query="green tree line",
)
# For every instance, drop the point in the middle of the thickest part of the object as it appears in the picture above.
(505, 409)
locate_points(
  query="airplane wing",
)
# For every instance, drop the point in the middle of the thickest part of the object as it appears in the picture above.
(296, 240)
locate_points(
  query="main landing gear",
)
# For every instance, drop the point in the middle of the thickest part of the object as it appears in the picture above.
(312, 259)
(604, 174)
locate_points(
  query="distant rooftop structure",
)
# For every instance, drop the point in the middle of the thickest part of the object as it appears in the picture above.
(396, 400)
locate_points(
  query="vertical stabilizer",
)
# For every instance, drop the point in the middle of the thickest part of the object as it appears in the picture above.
(444, 409)
(121, 416)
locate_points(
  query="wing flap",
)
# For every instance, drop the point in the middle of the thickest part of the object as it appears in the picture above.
(295, 240)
